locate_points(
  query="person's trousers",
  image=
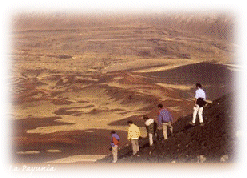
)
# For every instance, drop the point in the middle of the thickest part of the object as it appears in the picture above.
(114, 153)
(150, 137)
(135, 145)
(165, 126)
(198, 110)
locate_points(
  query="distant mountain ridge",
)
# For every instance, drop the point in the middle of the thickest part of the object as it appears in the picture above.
(194, 35)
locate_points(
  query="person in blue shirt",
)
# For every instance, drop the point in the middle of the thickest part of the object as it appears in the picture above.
(164, 120)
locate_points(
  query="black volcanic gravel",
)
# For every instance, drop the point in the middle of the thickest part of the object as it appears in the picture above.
(213, 140)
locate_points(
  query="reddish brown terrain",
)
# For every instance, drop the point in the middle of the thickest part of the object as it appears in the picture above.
(76, 77)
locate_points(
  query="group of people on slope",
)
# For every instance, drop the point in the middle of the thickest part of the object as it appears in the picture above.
(164, 122)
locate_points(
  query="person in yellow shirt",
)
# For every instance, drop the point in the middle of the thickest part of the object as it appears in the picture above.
(133, 136)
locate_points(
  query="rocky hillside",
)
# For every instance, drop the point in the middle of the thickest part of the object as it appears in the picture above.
(216, 140)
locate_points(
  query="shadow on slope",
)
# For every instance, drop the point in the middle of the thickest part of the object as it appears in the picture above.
(216, 79)
(36, 148)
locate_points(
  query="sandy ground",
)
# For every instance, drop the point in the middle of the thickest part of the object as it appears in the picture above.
(71, 87)
(75, 113)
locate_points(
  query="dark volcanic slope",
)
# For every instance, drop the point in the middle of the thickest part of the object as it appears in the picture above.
(216, 78)
(207, 73)
(215, 139)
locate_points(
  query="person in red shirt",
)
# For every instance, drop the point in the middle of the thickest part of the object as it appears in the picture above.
(114, 144)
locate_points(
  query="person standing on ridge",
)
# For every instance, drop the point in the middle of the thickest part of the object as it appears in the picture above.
(114, 144)
(200, 97)
(133, 136)
(165, 119)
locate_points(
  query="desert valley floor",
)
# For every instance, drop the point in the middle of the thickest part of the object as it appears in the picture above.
(77, 77)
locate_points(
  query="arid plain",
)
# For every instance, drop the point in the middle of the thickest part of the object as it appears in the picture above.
(75, 77)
